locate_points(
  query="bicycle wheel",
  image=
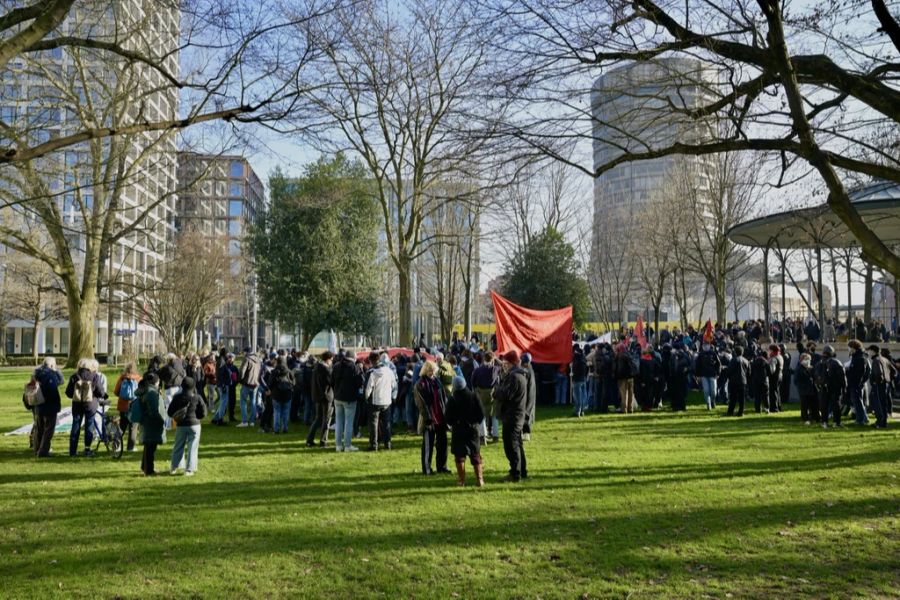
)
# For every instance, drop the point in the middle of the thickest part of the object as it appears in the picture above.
(115, 441)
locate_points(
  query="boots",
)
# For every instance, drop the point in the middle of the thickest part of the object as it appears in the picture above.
(461, 472)
(479, 473)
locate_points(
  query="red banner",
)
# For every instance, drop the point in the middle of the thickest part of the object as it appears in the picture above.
(639, 336)
(708, 332)
(545, 334)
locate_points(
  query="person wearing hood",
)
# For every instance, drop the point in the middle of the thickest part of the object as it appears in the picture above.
(738, 378)
(467, 366)
(465, 415)
(511, 395)
(227, 376)
(483, 380)
(322, 394)
(831, 382)
(806, 388)
(187, 409)
(446, 373)
(153, 421)
(381, 390)
(85, 388)
(708, 366)
(280, 385)
(249, 380)
(347, 379)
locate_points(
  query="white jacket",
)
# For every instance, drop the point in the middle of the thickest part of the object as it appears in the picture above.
(381, 388)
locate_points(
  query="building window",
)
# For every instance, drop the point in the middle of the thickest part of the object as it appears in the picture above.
(236, 189)
(10, 340)
(27, 340)
(234, 228)
(237, 168)
(235, 208)
(48, 340)
(234, 248)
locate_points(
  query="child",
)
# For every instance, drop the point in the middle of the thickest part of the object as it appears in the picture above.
(464, 415)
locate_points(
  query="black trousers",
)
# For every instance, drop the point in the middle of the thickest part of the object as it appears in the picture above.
(514, 449)
(774, 396)
(268, 413)
(434, 440)
(809, 407)
(148, 457)
(324, 410)
(379, 425)
(830, 402)
(46, 426)
(232, 400)
(736, 397)
(129, 430)
(761, 399)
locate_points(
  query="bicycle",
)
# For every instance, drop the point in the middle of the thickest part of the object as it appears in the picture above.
(109, 433)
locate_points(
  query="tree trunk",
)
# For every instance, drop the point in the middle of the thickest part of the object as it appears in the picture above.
(849, 295)
(721, 306)
(405, 308)
(766, 312)
(34, 336)
(834, 284)
(867, 308)
(820, 285)
(82, 315)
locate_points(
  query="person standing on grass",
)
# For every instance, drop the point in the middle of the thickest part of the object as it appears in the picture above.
(153, 421)
(776, 371)
(530, 397)
(280, 386)
(49, 378)
(738, 378)
(759, 382)
(708, 369)
(210, 382)
(249, 379)
(188, 409)
(857, 375)
(883, 372)
(649, 374)
(227, 377)
(323, 398)
(381, 389)
(347, 382)
(85, 388)
(125, 389)
(170, 376)
(579, 382)
(804, 378)
(484, 378)
(432, 402)
(831, 381)
(511, 396)
(465, 415)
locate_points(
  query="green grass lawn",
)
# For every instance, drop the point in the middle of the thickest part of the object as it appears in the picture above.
(643, 506)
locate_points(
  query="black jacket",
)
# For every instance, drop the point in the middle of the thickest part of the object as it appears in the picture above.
(738, 373)
(803, 378)
(190, 398)
(623, 366)
(280, 383)
(708, 364)
(857, 372)
(171, 375)
(347, 379)
(322, 391)
(511, 395)
(96, 387)
(759, 375)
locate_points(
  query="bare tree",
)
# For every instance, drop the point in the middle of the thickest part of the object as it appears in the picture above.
(191, 286)
(404, 89)
(834, 113)
(32, 294)
(655, 263)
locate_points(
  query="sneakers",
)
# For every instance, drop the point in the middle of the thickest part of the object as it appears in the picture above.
(188, 473)
(242, 425)
(339, 448)
(173, 472)
(351, 449)
(807, 423)
(824, 425)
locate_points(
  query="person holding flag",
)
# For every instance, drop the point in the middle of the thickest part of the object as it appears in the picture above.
(709, 367)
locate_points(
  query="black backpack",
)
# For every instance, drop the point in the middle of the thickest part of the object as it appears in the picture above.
(579, 366)
(634, 365)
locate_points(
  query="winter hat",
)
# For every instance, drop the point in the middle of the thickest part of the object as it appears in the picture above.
(459, 383)
(187, 384)
(511, 357)
(526, 357)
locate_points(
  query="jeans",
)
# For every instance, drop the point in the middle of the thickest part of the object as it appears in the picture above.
(579, 399)
(562, 392)
(859, 409)
(248, 404)
(344, 414)
(323, 420)
(397, 415)
(309, 409)
(212, 395)
(881, 403)
(46, 426)
(379, 425)
(412, 412)
(282, 415)
(596, 394)
(708, 385)
(79, 413)
(224, 394)
(187, 446)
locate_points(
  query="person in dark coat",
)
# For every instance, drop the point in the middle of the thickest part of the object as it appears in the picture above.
(49, 377)
(679, 369)
(883, 374)
(227, 377)
(787, 372)
(776, 370)
(187, 432)
(738, 378)
(831, 381)
(280, 388)
(323, 398)
(759, 382)
(857, 376)
(511, 394)
(431, 402)
(84, 405)
(153, 421)
(649, 376)
(464, 416)
(806, 388)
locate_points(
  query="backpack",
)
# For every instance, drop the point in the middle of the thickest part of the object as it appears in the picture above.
(634, 365)
(33, 395)
(127, 389)
(135, 410)
(820, 374)
(84, 391)
(283, 388)
(182, 413)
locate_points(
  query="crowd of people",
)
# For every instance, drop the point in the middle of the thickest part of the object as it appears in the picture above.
(464, 390)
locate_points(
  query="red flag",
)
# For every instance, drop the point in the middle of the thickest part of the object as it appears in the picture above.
(639, 332)
(545, 334)
(708, 332)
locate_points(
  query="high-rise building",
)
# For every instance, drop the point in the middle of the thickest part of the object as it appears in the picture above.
(223, 196)
(59, 92)
(636, 108)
